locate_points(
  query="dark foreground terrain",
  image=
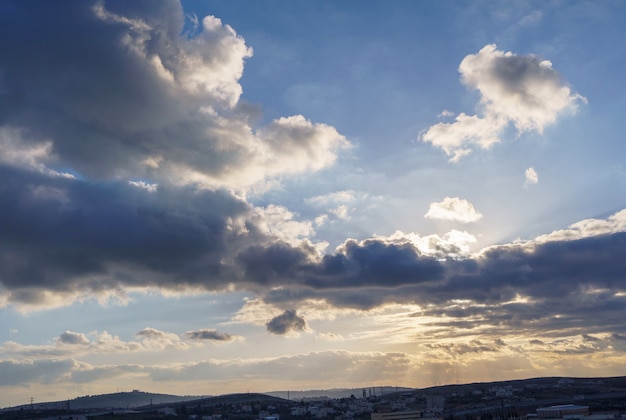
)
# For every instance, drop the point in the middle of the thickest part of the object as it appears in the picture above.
(476, 401)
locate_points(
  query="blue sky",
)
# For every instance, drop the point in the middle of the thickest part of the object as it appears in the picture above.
(214, 197)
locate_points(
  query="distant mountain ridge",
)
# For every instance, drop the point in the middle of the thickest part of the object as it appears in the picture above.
(339, 392)
(118, 400)
(142, 400)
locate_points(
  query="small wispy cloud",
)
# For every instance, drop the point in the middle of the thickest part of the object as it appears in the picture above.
(445, 114)
(532, 18)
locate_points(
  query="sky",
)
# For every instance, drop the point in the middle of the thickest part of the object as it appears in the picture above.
(209, 197)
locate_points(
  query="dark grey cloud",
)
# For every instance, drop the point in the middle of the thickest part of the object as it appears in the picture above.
(210, 335)
(65, 235)
(590, 338)
(69, 337)
(571, 285)
(286, 322)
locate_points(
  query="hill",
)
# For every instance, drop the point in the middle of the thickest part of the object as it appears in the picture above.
(118, 400)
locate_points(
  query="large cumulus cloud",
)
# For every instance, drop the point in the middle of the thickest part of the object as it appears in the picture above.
(113, 89)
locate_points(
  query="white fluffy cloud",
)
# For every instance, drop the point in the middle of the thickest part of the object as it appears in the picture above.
(522, 90)
(294, 145)
(455, 209)
(210, 63)
(453, 244)
(588, 228)
(279, 222)
(531, 176)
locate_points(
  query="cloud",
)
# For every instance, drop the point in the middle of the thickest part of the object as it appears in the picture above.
(126, 238)
(295, 144)
(108, 343)
(330, 336)
(287, 322)
(311, 368)
(210, 335)
(102, 229)
(117, 93)
(279, 221)
(337, 197)
(588, 228)
(40, 371)
(455, 209)
(73, 338)
(21, 148)
(31, 351)
(473, 346)
(91, 126)
(335, 204)
(144, 185)
(531, 176)
(522, 90)
(74, 344)
(156, 339)
(341, 212)
(85, 373)
(453, 244)
(532, 18)
(527, 287)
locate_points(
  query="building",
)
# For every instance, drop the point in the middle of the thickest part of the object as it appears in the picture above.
(560, 411)
(435, 403)
(400, 415)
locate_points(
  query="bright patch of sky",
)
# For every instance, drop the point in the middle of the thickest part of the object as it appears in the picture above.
(195, 193)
